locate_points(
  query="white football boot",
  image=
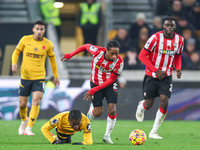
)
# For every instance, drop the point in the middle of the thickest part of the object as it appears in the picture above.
(90, 116)
(28, 132)
(154, 135)
(22, 127)
(139, 113)
(107, 139)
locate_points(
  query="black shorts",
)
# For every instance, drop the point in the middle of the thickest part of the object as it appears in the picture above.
(109, 92)
(28, 86)
(153, 87)
(63, 137)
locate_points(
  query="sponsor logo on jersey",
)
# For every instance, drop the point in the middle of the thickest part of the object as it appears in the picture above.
(103, 69)
(167, 52)
(32, 55)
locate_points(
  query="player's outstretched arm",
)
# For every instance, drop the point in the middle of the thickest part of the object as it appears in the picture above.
(78, 50)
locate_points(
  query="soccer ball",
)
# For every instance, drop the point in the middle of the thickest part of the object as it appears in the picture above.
(137, 137)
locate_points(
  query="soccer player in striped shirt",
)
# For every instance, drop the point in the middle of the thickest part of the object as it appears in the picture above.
(106, 67)
(161, 52)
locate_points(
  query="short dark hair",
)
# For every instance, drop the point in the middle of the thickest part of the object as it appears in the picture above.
(75, 114)
(112, 43)
(40, 22)
(168, 18)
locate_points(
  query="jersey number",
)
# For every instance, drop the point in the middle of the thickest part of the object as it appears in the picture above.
(171, 86)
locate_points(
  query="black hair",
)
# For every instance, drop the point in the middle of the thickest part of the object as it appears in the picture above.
(40, 22)
(75, 114)
(112, 43)
(168, 18)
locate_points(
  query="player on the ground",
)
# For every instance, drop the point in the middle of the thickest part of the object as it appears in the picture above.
(66, 124)
(106, 67)
(161, 51)
(35, 49)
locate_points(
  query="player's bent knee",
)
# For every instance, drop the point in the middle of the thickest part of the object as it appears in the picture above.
(148, 107)
(36, 102)
(112, 113)
(98, 113)
(22, 106)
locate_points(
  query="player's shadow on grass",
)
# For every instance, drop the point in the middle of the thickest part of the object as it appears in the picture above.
(102, 143)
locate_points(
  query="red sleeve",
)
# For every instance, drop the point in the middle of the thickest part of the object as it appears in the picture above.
(78, 50)
(177, 62)
(112, 78)
(143, 56)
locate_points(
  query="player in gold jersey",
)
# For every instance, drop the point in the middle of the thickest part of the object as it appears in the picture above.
(66, 124)
(35, 49)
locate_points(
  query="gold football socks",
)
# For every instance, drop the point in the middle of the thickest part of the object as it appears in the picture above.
(33, 115)
(23, 113)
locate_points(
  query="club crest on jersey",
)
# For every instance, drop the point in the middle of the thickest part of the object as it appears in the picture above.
(174, 44)
(92, 48)
(35, 49)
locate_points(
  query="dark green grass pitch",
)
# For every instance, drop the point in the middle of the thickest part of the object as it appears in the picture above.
(177, 135)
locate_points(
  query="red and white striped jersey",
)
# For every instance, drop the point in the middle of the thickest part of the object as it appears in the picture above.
(163, 51)
(101, 68)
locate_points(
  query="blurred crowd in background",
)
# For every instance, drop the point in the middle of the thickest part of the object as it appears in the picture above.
(187, 15)
(132, 40)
